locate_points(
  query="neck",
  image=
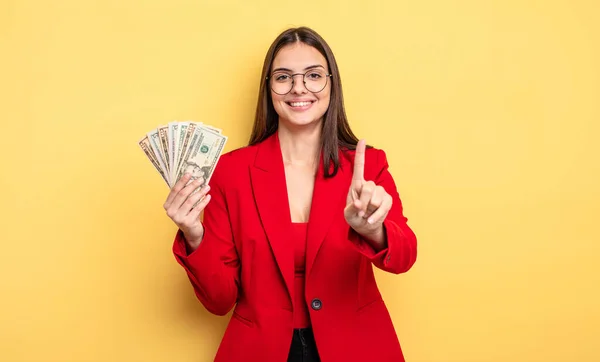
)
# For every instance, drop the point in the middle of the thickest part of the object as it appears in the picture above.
(300, 146)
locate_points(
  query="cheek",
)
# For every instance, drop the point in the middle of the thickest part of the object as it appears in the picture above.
(325, 95)
(277, 102)
(324, 100)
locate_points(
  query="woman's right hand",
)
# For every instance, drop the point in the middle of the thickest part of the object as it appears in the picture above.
(180, 208)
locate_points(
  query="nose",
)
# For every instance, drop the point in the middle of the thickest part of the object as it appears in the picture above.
(298, 86)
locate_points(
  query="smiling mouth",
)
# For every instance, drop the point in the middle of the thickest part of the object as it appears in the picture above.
(300, 104)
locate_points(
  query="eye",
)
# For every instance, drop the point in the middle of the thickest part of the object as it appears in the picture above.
(281, 77)
(314, 75)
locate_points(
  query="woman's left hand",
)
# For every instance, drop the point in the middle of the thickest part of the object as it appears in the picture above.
(367, 204)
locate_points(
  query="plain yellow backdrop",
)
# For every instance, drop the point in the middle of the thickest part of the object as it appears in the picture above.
(488, 111)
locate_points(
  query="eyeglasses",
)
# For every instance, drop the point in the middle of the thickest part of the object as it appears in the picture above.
(314, 80)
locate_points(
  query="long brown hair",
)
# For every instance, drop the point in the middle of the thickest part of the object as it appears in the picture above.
(336, 133)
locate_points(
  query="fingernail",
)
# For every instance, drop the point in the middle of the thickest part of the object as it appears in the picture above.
(361, 214)
(206, 188)
(370, 221)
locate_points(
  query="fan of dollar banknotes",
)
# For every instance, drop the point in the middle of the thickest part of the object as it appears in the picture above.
(184, 147)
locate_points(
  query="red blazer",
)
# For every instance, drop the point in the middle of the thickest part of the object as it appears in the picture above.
(245, 261)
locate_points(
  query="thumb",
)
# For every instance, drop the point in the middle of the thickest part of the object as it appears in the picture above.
(353, 201)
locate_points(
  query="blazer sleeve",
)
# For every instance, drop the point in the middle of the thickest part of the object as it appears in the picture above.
(213, 268)
(401, 251)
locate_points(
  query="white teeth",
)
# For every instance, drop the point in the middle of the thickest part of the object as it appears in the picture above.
(299, 104)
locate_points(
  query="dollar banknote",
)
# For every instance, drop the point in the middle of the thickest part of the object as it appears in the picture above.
(145, 145)
(202, 156)
(178, 148)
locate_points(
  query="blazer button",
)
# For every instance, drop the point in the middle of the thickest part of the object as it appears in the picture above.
(316, 304)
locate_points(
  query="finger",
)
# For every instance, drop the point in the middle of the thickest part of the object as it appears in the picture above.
(192, 200)
(176, 188)
(195, 212)
(352, 201)
(359, 162)
(380, 214)
(377, 198)
(376, 201)
(351, 211)
(354, 194)
(184, 193)
(366, 194)
(179, 215)
(200, 180)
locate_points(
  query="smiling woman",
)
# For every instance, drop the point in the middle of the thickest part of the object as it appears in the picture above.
(302, 102)
(311, 89)
(303, 51)
(295, 222)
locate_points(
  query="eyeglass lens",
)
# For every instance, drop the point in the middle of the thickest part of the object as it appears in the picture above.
(315, 81)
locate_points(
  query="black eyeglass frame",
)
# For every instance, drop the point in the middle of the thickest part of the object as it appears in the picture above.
(328, 75)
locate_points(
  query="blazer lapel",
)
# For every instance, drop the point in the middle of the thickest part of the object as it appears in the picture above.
(270, 194)
(329, 199)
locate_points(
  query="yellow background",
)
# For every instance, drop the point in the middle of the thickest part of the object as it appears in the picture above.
(488, 111)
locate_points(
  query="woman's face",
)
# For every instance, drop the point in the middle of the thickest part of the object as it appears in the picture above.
(301, 106)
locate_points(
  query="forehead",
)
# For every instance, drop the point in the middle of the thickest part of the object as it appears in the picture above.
(298, 56)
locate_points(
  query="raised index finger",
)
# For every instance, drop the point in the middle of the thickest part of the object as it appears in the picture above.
(359, 162)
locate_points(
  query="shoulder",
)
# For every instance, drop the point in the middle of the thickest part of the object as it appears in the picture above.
(375, 161)
(239, 156)
(374, 157)
(231, 163)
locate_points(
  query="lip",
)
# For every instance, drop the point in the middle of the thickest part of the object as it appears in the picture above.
(302, 107)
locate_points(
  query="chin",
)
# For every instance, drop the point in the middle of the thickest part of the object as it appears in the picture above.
(300, 122)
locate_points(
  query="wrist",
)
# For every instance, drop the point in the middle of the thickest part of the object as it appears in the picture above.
(376, 238)
(191, 246)
(192, 243)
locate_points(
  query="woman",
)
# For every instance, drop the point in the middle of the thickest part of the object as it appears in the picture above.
(289, 242)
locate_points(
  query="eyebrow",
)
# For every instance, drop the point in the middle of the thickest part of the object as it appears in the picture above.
(307, 68)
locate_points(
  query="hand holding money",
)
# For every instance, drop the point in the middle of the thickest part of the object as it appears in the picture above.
(185, 154)
(184, 206)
